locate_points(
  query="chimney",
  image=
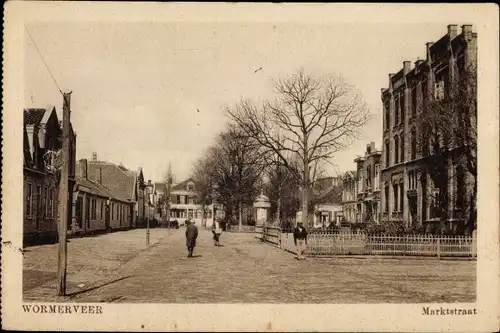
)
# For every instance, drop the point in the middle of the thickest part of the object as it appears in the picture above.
(83, 168)
(99, 175)
(94, 157)
(428, 52)
(452, 31)
(406, 67)
(372, 146)
(467, 31)
(149, 181)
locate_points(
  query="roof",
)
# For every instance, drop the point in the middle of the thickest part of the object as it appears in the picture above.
(182, 185)
(98, 189)
(122, 183)
(332, 195)
(350, 173)
(33, 116)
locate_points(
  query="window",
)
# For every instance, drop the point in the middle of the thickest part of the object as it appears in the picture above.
(439, 89)
(178, 199)
(369, 176)
(397, 111)
(412, 180)
(387, 115)
(45, 202)
(51, 202)
(102, 209)
(401, 196)
(414, 102)
(402, 107)
(402, 159)
(386, 196)
(396, 150)
(377, 176)
(191, 200)
(190, 186)
(39, 207)
(387, 153)
(396, 197)
(413, 144)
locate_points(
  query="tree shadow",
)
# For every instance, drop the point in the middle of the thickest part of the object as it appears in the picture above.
(98, 286)
(196, 256)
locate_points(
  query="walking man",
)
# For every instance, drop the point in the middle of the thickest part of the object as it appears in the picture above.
(300, 240)
(191, 235)
(216, 231)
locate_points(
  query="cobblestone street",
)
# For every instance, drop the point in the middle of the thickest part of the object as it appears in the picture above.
(117, 267)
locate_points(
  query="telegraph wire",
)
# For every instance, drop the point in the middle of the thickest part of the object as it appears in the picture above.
(45, 63)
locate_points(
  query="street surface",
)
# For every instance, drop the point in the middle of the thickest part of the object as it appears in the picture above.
(117, 267)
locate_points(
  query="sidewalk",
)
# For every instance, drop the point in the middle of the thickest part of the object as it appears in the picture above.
(90, 259)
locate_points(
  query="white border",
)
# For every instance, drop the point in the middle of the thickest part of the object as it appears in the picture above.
(255, 317)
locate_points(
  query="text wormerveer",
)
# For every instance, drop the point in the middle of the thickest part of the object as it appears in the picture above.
(63, 309)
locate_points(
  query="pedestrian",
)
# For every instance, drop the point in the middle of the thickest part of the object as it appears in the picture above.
(300, 240)
(191, 235)
(216, 231)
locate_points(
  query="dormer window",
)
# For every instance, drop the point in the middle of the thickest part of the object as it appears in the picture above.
(190, 186)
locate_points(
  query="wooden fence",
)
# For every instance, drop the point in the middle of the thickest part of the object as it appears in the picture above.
(336, 243)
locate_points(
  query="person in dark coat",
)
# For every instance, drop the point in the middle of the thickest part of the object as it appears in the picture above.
(300, 240)
(191, 235)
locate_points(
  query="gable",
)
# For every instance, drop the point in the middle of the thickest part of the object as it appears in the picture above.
(184, 185)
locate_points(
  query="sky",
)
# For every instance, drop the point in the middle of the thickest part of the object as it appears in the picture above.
(149, 94)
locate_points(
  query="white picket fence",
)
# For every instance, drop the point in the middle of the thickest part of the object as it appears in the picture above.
(330, 243)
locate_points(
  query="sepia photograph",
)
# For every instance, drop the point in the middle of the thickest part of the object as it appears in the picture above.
(185, 158)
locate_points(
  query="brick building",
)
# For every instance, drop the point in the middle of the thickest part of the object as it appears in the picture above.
(368, 185)
(404, 183)
(121, 181)
(97, 208)
(43, 134)
(349, 197)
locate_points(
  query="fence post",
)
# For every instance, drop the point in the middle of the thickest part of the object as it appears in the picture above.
(474, 244)
(439, 247)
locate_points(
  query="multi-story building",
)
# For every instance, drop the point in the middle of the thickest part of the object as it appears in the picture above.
(368, 185)
(183, 205)
(350, 197)
(42, 141)
(327, 199)
(405, 184)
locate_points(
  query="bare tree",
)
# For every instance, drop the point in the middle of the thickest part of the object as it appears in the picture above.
(203, 176)
(168, 180)
(233, 167)
(311, 118)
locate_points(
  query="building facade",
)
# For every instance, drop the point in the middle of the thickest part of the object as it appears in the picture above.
(350, 197)
(95, 207)
(406, 190)
(183, 205)
(121, 181)
(43, 136)
(368, 186)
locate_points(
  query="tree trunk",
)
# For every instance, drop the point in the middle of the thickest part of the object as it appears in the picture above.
(305, 196)
(278, 210)
(240, 216)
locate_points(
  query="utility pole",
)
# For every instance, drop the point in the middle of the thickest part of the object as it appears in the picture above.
(63, 197)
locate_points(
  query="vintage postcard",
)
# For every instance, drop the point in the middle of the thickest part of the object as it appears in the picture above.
(250, 167)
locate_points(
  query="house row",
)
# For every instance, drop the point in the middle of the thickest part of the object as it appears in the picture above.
(102, 196)
(393, 184)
